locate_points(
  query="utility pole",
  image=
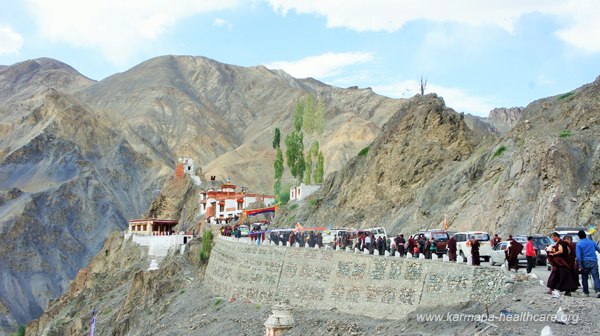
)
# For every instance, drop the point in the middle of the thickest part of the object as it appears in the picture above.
(183, 220)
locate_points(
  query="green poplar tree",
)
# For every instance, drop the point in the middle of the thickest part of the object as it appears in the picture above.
(319, 118)
(310, 107)
(320, 169)
(278, 167)
(308, 171)
(277, 139)
(295, 154)
(298, 116)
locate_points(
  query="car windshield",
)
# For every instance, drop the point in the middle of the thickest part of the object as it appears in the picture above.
(440, 236)
(543, 241)
(479, 236)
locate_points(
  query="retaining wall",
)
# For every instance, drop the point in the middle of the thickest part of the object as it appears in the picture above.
(158, 246)
(375, 286)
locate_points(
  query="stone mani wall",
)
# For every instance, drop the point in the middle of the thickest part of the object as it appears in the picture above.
(375, 286)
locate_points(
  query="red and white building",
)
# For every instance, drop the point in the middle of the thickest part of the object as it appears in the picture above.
(226, 204)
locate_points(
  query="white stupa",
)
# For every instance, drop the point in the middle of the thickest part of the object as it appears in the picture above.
(153, 265)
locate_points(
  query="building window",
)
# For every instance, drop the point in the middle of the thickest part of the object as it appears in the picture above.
(221, 207)
(240, 205)
(145, 227)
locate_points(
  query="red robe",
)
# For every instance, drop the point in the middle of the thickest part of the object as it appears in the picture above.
(452, 248)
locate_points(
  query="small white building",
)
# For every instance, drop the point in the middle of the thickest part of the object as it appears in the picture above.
(225, 205)
(303, 191)
(188, 166)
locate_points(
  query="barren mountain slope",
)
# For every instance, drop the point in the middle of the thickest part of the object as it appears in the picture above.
(78, 158)
(543, 173)
(224, 116)
(70, 184)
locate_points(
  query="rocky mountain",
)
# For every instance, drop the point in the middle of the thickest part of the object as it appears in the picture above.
(503, 119)
(224, 116)
(78, 157)
(427, 163)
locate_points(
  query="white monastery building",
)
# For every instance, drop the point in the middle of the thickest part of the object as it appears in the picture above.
(226, 204)
(303, 191)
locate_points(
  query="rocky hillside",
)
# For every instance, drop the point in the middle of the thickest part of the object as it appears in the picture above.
(224, 116)
(427, 163)
(78, 157)
(504, 119)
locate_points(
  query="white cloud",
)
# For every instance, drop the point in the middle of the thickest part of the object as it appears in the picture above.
(456, 98)
(118, 28)
(321, 66)
(223, 23)
(10, 41)
(580, 18)
(583, 28)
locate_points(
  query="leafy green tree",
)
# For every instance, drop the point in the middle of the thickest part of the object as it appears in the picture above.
(298, 116)
(294, 152)
(284, 195)
(277, 139)
(301, 166)
(277, 189)
(206, 245)
(310, 107)
(278, 168)
(278, 164)
(308, 170)
(314, 149)
(320, 169)
(319, 118)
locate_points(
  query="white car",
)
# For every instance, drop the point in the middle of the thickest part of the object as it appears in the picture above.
(463, 244)
(244, 230)
(377, 232)
(329, 236)
(498, 257)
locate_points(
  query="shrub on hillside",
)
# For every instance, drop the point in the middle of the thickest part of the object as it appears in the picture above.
(206, 245)
(499, 151)
(363, 152)
(565, 134)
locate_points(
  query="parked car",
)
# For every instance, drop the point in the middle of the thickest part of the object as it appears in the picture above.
(540, 243)
(497, 257)
(441, 240)
(566, 231)
(329, 236)
(463, 244)
(244, 230)
(377, 232)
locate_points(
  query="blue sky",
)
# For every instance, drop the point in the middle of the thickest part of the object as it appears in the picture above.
(476, 54)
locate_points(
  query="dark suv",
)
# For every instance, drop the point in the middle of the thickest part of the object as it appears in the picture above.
(441, 240)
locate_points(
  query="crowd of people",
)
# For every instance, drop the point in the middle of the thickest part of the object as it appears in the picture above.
(567, 259)
(303, 238)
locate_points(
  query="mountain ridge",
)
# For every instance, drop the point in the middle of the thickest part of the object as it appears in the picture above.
(79, 157)
(541, 173)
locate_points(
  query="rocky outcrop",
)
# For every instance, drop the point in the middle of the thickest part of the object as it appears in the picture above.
(426, 164)
(503, 119)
